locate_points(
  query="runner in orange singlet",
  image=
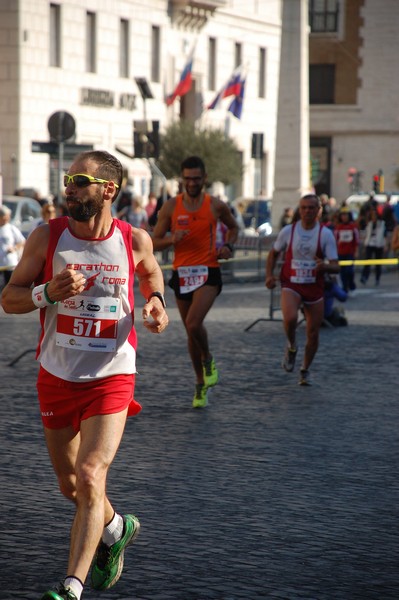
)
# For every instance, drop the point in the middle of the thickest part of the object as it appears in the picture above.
(191, 219)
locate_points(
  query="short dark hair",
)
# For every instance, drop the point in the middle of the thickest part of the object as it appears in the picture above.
(312, 197)
(193, 162)
(109, 167)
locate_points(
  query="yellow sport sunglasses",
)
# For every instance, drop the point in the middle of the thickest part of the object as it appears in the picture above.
(83, 180)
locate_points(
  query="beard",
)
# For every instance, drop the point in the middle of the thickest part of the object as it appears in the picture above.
(193, 191)
(83, 211)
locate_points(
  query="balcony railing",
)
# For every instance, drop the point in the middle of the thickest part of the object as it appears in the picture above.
(206, 4)
(193, 14)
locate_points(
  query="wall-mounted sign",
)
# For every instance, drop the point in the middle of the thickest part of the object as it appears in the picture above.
(106, 99)
(92, 97)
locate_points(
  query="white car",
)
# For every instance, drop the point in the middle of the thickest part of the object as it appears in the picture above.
(25, 212)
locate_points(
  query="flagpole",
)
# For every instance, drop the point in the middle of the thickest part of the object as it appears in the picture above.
(227, 125)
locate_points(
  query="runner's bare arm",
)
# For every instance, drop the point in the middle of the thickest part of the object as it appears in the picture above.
(150, 279)
(17, 295)
(160, 239)
(331, 266)
(224, 214)
(271, 260)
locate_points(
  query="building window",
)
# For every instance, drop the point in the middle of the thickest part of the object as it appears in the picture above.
(155, 53)
(124, 48)
(262, 73)
(90, 42)
(320, 163)
(212, 64)
(55, 35)
(323, 16)
(237, 54)
(322, 84)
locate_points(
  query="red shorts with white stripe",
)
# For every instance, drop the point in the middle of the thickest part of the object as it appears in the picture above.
(65, 403)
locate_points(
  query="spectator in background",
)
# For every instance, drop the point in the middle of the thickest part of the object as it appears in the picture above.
(152, 204)
(347, 236)
(395, 242)
(374, 244)
(11, 243)
(163, 196)
(333, 291)
(125, 198)
(48, 212)
(286, 217)
(325, 208)
(389, 218)
(135, 214)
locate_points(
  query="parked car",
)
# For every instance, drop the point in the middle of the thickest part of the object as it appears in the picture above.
(256, 215)
(25, 212)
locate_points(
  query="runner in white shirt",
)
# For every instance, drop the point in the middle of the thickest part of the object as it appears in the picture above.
(310, 252)
(82, 268)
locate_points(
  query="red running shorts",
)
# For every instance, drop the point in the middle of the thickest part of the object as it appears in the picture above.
(65, 403)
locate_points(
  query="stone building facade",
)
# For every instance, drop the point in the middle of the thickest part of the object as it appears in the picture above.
(83, 58)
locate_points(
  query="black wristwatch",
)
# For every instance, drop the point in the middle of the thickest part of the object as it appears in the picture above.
(229, 246)
(158, 295)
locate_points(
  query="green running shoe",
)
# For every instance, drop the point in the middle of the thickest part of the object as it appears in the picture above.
(211, 375)
(201, 396)
(108, 561)
(62, 593)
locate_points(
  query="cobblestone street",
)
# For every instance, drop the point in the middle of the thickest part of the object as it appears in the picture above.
(273, 491)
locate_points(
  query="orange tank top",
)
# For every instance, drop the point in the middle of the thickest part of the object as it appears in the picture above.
(199, 246)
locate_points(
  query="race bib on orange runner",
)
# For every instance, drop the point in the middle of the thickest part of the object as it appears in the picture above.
(88, 323)
(191, 278)
(303, 271)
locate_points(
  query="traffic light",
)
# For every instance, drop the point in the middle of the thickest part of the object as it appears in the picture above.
(376, 183)
(153, 139)
(146, 139)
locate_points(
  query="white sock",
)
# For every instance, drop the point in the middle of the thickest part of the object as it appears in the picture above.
(75, 584)
(113, 531)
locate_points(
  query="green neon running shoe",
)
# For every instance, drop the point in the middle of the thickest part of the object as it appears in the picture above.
(108, 561)
(211, 374)
(201, 396)
(62, 593)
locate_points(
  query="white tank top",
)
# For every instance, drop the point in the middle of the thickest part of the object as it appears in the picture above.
(92, 335)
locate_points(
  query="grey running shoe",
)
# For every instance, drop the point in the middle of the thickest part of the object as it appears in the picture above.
(289, 359)
(304, 378)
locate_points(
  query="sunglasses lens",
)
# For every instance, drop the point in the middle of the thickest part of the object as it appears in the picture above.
(78, 180)
(81, 180)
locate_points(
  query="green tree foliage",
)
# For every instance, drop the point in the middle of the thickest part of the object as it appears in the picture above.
(220, 154)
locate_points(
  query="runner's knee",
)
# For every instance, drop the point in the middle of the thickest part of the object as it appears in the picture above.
(67, 485)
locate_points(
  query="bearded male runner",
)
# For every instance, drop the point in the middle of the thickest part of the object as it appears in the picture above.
(82, 270)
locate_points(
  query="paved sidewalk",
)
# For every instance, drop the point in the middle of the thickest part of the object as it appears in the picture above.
(273, 491)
